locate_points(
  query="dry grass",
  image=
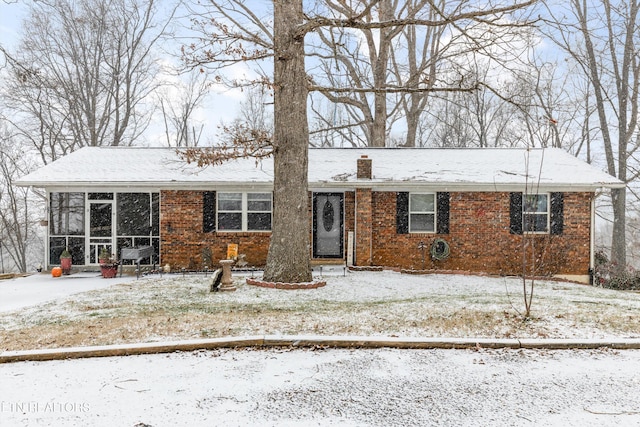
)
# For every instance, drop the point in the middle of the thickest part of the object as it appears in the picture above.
(183, 308)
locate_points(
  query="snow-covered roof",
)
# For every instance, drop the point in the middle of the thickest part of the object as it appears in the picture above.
(333, 168)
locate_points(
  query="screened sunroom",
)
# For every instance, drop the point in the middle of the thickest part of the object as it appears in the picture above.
(85, 223)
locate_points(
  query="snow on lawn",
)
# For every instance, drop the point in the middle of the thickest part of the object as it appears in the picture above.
(387, 303)
(392, 286)
(335, 387)
(27, 291)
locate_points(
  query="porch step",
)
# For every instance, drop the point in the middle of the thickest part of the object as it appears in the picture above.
(327, 261)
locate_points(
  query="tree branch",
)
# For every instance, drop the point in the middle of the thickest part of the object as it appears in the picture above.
(314, 22)
(390, 89)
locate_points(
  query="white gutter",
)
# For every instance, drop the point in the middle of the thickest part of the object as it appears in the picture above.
(314, 186)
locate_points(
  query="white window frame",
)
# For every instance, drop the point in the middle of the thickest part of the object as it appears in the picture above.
(526, 213)
(244, 211)
(418, 212)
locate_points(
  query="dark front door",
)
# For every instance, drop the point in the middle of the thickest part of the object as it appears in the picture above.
(328, 227)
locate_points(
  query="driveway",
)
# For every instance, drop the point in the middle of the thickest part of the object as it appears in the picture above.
(38, 288)
(328, 387)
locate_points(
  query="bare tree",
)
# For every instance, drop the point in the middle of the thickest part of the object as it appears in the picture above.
(235, 25)
(255, 117)
(18, 228)
(362, 60)
(378, 58)
(468, 119)
(178, 102)
(423, 50)
(532, 103)
(82, 72)
(602, 38)
(424, 58)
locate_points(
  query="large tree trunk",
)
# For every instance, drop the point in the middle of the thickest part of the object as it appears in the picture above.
(379, 126)
(289, 251)
(379, 69)
(412, 129)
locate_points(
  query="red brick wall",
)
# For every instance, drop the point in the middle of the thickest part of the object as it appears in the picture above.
(183, 239)
(479, 235)
(364, 215)
(480, 240)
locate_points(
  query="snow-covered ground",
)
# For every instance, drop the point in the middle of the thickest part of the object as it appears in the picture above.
(380, 303)
(334, 387)
(39, 288)
(325, 387)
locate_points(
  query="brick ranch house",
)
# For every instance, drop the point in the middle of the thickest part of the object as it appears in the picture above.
(419, 209)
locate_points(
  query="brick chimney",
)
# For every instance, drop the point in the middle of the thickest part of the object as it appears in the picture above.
(364, 167)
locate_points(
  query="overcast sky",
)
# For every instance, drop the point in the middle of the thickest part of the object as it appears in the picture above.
(10, 17)
(221, 105)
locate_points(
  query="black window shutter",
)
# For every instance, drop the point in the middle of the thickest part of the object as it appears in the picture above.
(209, 211)
(557, 214)
(442, 223)
(402, 213)
(516, 213)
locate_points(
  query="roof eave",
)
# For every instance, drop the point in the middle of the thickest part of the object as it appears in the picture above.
(334, 185)
(465, 186)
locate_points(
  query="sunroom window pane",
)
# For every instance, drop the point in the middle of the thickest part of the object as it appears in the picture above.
(155, 214)
(76, 247)
(134, 214)
(67, 213)
(56, 246)
(75, 223)
(100, 219)
(100, 196)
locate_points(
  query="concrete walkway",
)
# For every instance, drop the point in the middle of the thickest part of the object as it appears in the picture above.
(38, 288)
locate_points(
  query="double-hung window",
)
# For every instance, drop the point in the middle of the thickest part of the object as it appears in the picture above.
(230, 211)
(244, 211)
(535, 213)
(422, 212)
(259, 211)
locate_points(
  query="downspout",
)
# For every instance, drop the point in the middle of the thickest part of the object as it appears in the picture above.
(355, 227)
